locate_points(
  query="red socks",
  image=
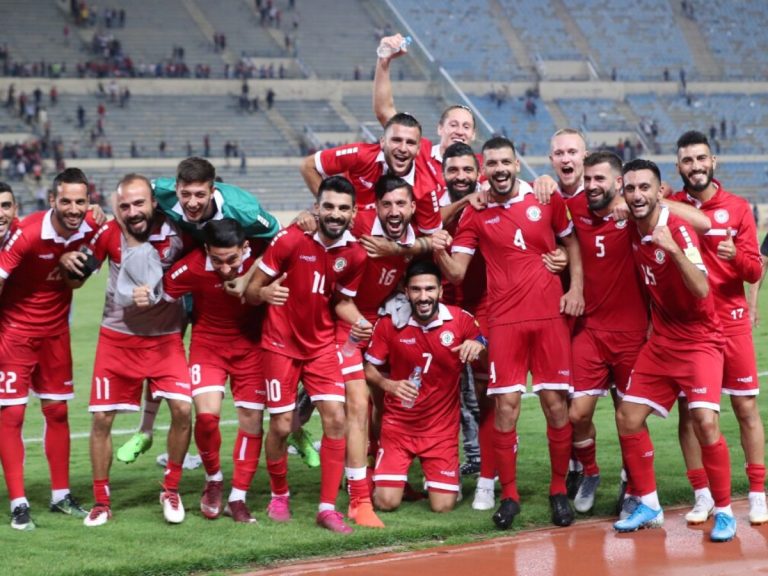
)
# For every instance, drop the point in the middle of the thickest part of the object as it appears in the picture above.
(586, 454)
(698, 478)
(505, 451)
(332, 452)
(12, 449)
(57, 444)
(756, 476)
(278, 475)
(717, 463)
(246, 459)
(637, 450)
(172, 476)
(101, 492)
(208, 440)
(485, 437)
(560, 440)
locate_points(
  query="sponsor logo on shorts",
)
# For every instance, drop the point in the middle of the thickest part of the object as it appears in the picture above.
(722, 216)
(700, 390)
(408, 341)
(449, 473)
(660, 255)
(447, 338)
(564, 372)
(745, 380)
(183, 385)
(46, 256)
(70, 383)
(533, 213)
(339, 384)
(494, 220)
(308, 258)
(340, 264)
(648, 454)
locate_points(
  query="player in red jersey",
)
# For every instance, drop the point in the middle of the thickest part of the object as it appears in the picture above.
(225, 343)
(754, 289)
(684, 352)
(398, 152)
(8, 220)
(139, 339)
(732, 258)
(526, 305)
(34, 339)
(299, 276)
(438, 339)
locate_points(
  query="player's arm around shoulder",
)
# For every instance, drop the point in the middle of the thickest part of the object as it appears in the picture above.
(699, 221)
(686, 255)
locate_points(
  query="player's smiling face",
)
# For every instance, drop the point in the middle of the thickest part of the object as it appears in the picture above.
(7, 212)
(136, 208)
(69, 207)
(500, 167)
(335, 211)
(567, 153)
(395, 210)
(400, 145)
(196, 199)
(696, 166)
(424, 292)
(457, 126)
(641, 191)
(226, 262)
(600, 186)
(460, 173)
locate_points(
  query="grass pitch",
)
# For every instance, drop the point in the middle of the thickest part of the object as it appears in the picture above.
(138, 541)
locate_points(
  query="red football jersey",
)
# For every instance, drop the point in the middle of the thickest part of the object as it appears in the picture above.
(678, 317)
(364, 164)
(512, 238)
(35, 299)
(436, 410)
(218, 318)
(303, 328)
(614, 298)
(727, 277)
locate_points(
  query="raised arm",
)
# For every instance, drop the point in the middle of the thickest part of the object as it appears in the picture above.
(383, 101)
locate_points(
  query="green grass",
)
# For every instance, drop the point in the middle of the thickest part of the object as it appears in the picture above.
(138, 541)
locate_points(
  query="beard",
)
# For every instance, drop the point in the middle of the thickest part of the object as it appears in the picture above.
(602, 202)
(424, 316)
(333, 233)
(689, 185)
(134, 228)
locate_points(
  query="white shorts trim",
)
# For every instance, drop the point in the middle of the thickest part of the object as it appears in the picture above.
(581, 393)
(390, 477)
(350, 369)
(15, 401)
(514, 389)
(442, 486)
(171, 396)
(206, 389)
(249, 405)
(114, 408)
(657, 408)
(731, 392)
(282, 409)
(558, 386)
(328, 398)
(70, 396)
(710, 405)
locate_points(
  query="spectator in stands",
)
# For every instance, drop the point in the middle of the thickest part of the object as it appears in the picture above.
(53, 95)
(207, 145)
(80, 116)
(723, 129)
(270, 98)
(161, 148)
(683, 82)
(666, 74)
(134, 150)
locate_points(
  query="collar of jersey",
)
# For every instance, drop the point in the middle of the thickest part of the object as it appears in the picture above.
(435, 153)
(443, 315)
(246, 255)
(663, 218)
(523, 189)
(410, 236)
(698, 203)
(345, 239)
(408, 177)
(165, 230)
(579, 190)
(48, 232)
(217, 215)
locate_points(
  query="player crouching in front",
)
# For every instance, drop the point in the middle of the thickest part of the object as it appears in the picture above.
(421, 403)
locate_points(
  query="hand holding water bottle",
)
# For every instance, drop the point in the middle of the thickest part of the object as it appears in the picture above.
(361, 330)
(415, 381)
(393, 46)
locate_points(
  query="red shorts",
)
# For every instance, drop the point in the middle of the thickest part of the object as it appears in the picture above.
(210, 364)
(42, 365)
(352, 366)
(662, 373)
(439, 458)
(542, 347)
(602, 358)
(124, 361)
(320, 376)
(740, 371)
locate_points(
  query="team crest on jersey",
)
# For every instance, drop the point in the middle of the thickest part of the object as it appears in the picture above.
(722, 216)
(447, 338)
(339, 264)
(660, 255)
(533, 213)
(621, 224)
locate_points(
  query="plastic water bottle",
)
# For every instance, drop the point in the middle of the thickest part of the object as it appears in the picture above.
(415, 379)
(349, 347)
(385, 51)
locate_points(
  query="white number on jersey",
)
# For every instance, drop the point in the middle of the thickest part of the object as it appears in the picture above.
(650, 279)
(7, 380)
(427, 364)
(737, 313)
(102, 388)
(387, 276)
(318, 283)
(519, 241)
(600, 246)
(54, 275)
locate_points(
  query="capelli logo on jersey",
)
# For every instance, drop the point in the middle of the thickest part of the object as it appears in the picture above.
(534, 213)
(586, 220)
(408, 341)
(46, 256)
(494, 220)
(660, 255)
(310, 258)
(722, 216)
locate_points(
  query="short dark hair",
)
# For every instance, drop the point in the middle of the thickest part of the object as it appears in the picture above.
(336, 184)
(450, 109)
(419, 267)
(458, 149)
(224, 233)
(499, 142)
(5, 187)
(641, 164)
(603, 157)
(69, 176)
(692, 137)
(132, 177)
(403, 119)
(195, 169)
(389, 182)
